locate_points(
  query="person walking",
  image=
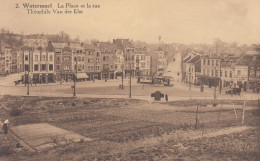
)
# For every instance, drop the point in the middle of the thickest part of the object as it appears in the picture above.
(5, 127)
(166, 97)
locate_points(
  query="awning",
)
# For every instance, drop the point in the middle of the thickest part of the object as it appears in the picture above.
(81, 75)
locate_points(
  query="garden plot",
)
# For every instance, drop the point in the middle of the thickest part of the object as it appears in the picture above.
(42, 136)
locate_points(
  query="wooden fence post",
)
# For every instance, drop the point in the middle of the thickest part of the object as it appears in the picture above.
(196, 123)
(235, 110)
(243, 116)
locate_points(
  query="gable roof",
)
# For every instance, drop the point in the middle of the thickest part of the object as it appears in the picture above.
(194, 59)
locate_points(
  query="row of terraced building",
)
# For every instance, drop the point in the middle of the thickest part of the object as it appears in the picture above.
(52, 62)
(223, 71)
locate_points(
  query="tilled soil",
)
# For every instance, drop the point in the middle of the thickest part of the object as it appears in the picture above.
(118, 127)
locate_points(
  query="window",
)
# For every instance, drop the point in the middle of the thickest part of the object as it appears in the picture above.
(239, 72)
(43, 67)
(97, 60)
(116, 66)
(83, 67)
(50, 67)
(203, 71)
(216, 73)
(191, 70)
(208, 62)
(225, 73)
(212, 62)
(88, 60)
(58, 67)
(97, 67)
(83, 58)
(58, 58)
(143, 57)
(26, 58)
(221, 73)
(230, 74)
(26, 67)
(51, 58)
(98, 54)
(216, 62)
(204, 62)
(104, 58)
(212, 73)
(36, 57)
(36, 67)
(43, 57)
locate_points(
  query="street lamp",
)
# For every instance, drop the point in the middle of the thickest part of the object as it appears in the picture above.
(215, 84)
(130, 90)
(75, 76)
(122, 77)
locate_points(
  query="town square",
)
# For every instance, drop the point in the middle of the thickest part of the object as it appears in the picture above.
(130, 80)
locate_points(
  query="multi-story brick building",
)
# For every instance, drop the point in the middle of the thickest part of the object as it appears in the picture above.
(5, 58)
(64, 61)
(210, 70)
(228, 72)
(119, 64)
(158, 63)
(107, 63)
(40, 65)
(92, 62)
(79, 57)
(193, 69)
(142, 62)
(254, 73)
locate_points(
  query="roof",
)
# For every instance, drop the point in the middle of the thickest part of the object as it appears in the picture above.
(3, 45)
(250, 60)
(194, 59)
(187, 59)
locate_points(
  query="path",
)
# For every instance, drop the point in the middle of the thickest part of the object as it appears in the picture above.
(42, 136)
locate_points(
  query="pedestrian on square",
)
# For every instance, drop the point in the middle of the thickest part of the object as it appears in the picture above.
(166, 97)
(5, 127)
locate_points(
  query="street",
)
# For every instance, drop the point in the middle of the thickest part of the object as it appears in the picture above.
(110, 89)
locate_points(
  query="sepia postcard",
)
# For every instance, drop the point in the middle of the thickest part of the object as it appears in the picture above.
(129, 80)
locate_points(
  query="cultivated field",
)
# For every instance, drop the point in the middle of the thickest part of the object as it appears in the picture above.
(129, 129)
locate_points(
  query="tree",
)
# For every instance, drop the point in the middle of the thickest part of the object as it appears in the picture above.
(219, 45)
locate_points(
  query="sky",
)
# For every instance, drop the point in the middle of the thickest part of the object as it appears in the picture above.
(177, 21)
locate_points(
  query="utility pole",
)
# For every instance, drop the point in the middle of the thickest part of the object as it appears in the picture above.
(190, 80)
(122, 78)
(28, 77)
(75, 77)
(61, 68)
(215, 84)
(220, 74)
(130, 92)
